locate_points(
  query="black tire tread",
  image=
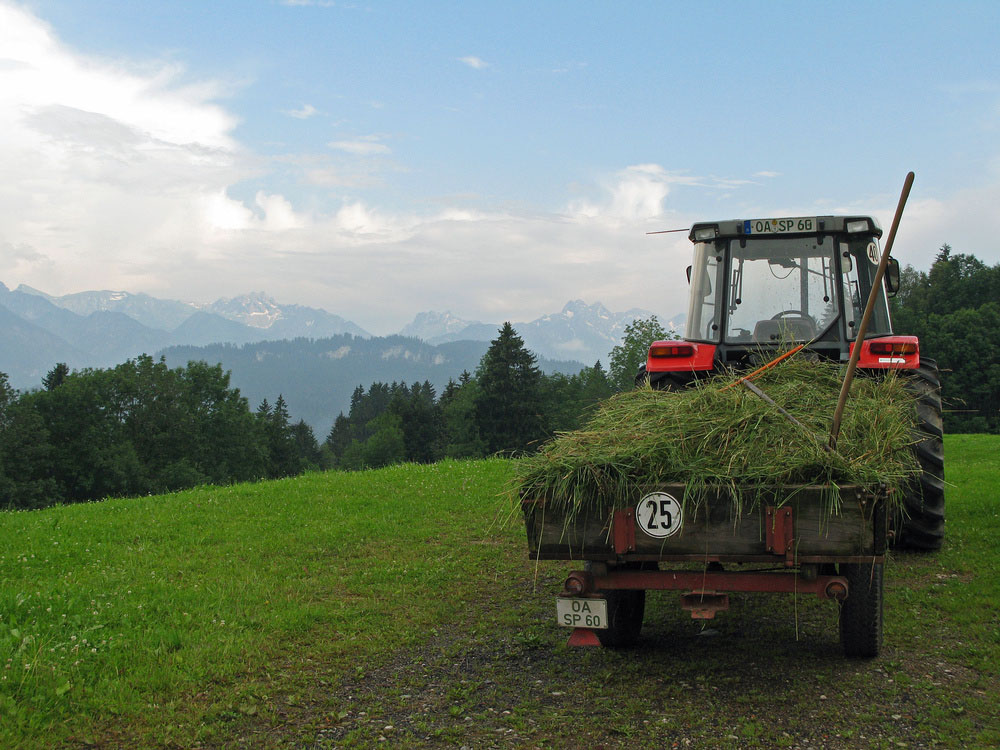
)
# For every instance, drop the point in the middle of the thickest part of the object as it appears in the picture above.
(625, 613)
(861, 612)
(921, 527)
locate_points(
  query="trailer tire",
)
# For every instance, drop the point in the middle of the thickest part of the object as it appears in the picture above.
(921, 524)
(626, 608)
(861, 611)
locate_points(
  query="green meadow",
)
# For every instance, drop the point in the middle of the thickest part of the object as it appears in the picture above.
(398, 608)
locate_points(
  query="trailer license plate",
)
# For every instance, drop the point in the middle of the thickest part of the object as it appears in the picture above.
(582, 613)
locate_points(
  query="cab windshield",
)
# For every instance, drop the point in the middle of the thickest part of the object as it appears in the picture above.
(781, 290)
(787, 289)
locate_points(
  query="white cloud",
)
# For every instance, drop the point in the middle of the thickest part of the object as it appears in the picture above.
(306, 111)
(477, 63)
(103, 167)
(381, 267)
(278, 212)
(963, 220)
(641, 192)
(221, 212)
(637, 193)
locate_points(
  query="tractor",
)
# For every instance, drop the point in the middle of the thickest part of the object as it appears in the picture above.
(760, 284)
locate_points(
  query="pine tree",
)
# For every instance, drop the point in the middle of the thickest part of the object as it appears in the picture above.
(284, 455)
(305, 445)
(55, 377)
(509, 404)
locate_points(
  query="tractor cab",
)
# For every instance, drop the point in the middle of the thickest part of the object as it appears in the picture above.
(762, 284)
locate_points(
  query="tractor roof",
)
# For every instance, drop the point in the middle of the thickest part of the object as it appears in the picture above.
(795, 225)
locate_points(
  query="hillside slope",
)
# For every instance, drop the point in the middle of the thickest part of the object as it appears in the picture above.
(395, 608)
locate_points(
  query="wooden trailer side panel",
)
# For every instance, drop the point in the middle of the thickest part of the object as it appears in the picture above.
(712, 528)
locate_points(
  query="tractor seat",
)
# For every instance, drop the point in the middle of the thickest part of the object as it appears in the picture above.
(787, 329)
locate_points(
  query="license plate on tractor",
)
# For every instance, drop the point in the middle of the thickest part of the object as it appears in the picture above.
(779, 226)
(582, 613)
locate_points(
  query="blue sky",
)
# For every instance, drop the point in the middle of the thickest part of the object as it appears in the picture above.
(495, 160)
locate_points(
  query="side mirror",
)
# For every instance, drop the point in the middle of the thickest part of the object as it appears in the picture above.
(689, 274)
(892, 277)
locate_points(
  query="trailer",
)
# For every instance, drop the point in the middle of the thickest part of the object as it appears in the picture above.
(790, 540)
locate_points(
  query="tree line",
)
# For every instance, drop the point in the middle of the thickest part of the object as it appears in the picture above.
(144, 428)
(140, 428)
(954, 308)
(508, 406)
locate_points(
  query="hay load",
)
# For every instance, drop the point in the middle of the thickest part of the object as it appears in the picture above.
(714, 436)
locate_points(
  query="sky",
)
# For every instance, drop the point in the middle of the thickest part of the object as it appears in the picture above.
(494, 160)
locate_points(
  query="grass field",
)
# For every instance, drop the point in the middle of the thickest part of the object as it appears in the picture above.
(393, 608)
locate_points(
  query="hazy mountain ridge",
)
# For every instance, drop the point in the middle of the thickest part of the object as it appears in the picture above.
(255, 310)
(29, 351)
(313, 357)
(434, 327)
(258, 310)
(101, 328)
(104, 328)
(316, 377)
(152, 312)
(47, 333)
(580, 331)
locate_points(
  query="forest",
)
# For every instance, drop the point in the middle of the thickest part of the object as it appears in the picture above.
(954, 309)
(144, 428)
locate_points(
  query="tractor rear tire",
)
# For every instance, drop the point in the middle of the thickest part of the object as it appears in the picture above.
(921, 526)
(626, 608)
(666, 381)
(861, 611)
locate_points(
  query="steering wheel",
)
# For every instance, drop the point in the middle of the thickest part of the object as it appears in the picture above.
(788, 314)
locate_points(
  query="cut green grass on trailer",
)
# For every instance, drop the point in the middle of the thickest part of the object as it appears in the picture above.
(717, 435)
(334, 610)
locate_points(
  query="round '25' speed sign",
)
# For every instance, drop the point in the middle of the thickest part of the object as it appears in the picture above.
(659, 515)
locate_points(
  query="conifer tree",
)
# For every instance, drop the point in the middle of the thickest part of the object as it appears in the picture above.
(55, 377)
(509, 404)
(284, 455)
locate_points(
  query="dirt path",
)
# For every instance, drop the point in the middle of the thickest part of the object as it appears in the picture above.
(769, 673)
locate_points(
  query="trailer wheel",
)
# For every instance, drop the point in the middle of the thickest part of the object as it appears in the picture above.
(861, 611)
(625, 611)
(626, 608)
(921, 526)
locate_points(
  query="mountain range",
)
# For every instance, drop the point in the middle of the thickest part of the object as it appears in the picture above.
(582, 332)
(322, 358)
(104, 328)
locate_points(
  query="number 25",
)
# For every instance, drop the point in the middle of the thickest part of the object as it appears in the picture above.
(664, 511)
